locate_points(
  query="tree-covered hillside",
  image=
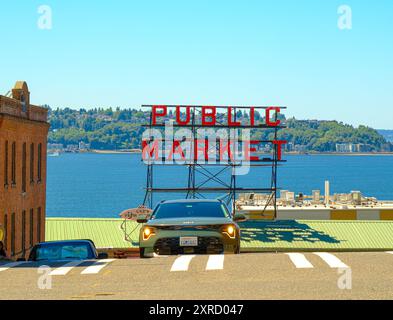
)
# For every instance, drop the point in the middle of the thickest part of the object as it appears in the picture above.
(115, 129)
(324, 135)
(387, 134)
(102, 128)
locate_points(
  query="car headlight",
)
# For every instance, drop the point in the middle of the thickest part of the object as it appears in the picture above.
(147, 233)
(230, 230)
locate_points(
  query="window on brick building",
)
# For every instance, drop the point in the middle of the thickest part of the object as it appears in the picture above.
(32, 163)
(39, 224)
(6, 164)
(5, 232)
(12, 234)
(24, 156)
(13, 163)
(31, 227)
(23, 232)
(39, 162)
(24, 105)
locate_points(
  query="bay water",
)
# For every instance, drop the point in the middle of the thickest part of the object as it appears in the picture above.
(102, 185)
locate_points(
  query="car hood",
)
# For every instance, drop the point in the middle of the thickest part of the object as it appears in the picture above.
(190, 221)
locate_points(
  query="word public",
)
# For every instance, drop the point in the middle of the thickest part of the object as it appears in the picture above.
(209, 115)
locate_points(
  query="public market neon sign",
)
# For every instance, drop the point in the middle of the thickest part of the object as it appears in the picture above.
(206, 135)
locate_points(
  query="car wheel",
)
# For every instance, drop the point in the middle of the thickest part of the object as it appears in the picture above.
(237, 249)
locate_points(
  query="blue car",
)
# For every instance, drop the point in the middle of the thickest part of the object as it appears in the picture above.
(65, 250)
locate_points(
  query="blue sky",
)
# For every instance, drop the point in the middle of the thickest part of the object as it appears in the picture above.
(128, 53)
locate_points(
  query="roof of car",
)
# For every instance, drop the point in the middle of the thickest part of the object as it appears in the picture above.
(67, 241)
(191, 201)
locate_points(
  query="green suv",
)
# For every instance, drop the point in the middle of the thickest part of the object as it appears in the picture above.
(189, 226)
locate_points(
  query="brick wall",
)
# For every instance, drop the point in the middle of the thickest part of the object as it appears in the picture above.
(22, 201)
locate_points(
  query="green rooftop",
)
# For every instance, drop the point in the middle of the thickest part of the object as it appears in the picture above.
(317, 235)
(106, 233)
(256, 235)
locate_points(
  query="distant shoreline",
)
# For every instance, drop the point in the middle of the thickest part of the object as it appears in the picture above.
(115, 151)
(341, 153)
(285, 153)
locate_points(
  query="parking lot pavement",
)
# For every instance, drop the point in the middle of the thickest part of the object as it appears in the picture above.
(295, 275)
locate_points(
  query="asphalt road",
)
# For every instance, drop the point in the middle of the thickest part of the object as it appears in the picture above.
(357, 275)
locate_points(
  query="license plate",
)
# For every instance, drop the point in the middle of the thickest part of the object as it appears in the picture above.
(188, 241)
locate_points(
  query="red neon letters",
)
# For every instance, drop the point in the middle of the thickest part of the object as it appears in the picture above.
(198, 117)
(200, 150)
(208, 115)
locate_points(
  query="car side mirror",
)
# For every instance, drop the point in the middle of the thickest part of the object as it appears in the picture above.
(239, 217)
(102, 255)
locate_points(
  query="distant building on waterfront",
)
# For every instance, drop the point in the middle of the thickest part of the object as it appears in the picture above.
(352, 147)
(300, 148)
(55, 147)
(343, 147)
(71, 148)
(23, 140)
(84, 146)
(290, 147)
(74, 148)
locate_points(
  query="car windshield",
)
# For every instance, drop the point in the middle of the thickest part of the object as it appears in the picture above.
(191, 209)
(63, 252)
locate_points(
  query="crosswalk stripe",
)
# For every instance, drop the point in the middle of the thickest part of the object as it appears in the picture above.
(391, 252)
(63, 270)
(331, 260)
(181, 263)
(11, 265)
(97, 266)
(215, 262)
(155, 255)
(299, 260)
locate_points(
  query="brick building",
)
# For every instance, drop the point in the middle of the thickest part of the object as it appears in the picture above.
(23, 138)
